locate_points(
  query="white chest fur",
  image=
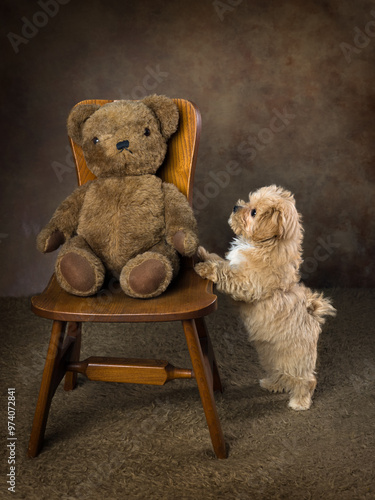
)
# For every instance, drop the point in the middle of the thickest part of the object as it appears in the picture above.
(237, 251)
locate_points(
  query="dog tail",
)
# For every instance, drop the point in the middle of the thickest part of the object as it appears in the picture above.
(319, 306)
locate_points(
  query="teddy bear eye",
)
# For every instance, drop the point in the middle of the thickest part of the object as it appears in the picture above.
(95, 140)
(253, 212)
(147, 132)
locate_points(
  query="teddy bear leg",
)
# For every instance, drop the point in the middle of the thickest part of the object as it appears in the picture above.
(78, 270)
(147, 275)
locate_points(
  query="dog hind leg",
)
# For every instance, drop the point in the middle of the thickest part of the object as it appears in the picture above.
(301, 393)
(273, 383)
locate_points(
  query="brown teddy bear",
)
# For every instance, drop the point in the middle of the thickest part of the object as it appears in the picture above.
(127, 221)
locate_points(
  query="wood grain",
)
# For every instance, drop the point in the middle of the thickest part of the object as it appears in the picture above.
(74, 332)
(50, 381)
(204, 381)
(129, 370)
(189, 296)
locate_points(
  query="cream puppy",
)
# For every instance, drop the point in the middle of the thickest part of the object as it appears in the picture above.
(282, 316)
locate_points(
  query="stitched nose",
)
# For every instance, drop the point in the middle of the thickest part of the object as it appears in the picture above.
(122, 145)
(236, 208)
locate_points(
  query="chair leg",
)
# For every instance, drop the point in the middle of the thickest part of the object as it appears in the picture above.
(52, 375)
(74, 332)
(204, 382)
(209, 352)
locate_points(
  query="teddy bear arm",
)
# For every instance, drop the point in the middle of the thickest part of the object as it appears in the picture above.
(63, 222)
(181, 226)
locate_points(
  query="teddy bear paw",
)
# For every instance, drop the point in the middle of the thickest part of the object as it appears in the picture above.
(186, 243)
(48, 241)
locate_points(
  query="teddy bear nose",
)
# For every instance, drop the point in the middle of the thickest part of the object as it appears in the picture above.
(122, 145)
(236, 208)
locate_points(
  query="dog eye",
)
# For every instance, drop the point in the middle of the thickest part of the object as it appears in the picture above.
(253, 212)
(147, 132)
(95, 140)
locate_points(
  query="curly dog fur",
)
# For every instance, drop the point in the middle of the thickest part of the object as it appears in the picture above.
(282, 316)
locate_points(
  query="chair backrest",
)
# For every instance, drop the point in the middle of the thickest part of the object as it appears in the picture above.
(179, 165)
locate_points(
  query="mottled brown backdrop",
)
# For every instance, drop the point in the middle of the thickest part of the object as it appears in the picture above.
(286, 92)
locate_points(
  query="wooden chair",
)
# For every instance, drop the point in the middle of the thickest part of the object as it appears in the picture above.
(188, 299)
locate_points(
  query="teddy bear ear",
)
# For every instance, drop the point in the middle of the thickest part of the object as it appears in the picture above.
(77, 118)
(166, 111)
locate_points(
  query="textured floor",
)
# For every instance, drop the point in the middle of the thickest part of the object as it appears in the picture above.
(113, 441)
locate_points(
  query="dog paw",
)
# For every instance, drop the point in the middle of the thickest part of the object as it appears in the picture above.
(300, 404)
(207, 270)
(185, 242)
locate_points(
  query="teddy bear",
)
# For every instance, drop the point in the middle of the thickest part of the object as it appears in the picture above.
(127, 222)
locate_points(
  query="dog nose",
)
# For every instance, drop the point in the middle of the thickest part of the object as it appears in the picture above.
(122, 145)
(236, 208)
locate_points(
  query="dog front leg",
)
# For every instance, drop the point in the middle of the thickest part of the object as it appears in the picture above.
(233, 283)
(227, 280)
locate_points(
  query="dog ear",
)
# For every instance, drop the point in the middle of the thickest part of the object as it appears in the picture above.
(269, 225)
(77, 118)
(290, 220)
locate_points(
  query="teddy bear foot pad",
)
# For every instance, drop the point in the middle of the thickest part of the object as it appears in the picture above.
(78, 276)
(146, 276)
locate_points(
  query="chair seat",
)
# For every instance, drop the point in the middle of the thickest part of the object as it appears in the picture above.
(188, 297)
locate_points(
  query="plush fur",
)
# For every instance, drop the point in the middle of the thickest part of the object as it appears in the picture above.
(127, 221)
(282, 316)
